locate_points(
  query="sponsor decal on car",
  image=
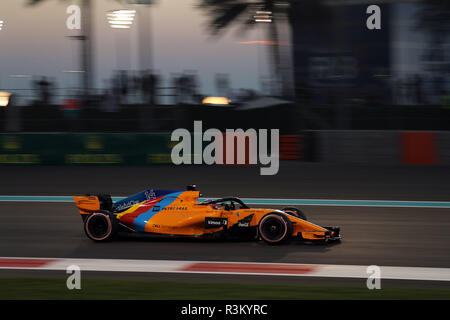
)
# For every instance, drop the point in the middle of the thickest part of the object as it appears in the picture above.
(244, 224)
(126, 205)
(150, 194)
(215, 222)
(175, 208)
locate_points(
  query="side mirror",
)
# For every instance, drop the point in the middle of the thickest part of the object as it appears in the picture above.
(192, 187)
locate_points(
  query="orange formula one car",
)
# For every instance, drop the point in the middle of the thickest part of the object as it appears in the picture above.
(180, 213)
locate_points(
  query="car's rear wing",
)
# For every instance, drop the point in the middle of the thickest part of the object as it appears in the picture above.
(91, 203)
(87, 204)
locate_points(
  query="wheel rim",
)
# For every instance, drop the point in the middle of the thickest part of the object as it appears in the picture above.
(98, 227)
(273, 229)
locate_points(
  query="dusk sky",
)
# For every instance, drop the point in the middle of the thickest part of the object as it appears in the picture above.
(34, 41)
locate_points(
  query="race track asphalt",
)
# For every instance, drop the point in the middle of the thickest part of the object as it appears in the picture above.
(294, 180)
(416, 237)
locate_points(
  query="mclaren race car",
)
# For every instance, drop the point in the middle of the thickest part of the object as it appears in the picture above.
(180, 213)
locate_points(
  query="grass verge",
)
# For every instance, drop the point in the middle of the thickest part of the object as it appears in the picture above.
(55, 288)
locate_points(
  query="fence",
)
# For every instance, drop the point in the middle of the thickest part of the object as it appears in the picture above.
(334, 147)
(383, 147)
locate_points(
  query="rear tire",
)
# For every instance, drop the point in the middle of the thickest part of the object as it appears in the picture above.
(101, 226)
(275, 228)
(295, 212)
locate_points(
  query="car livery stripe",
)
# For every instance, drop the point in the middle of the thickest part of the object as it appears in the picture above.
(141, 220)
(149, 194)
(129, 218)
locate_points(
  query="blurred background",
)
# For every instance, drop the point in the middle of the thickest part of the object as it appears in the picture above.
(313, 69)
(90, 92)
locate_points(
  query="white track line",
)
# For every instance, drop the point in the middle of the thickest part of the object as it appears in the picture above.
(217, 267)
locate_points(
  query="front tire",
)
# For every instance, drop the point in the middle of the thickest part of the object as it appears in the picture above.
(275, 228)
(101, 226)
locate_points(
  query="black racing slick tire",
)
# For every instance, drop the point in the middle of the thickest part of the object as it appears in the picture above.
(101, 226)
(275, 228)
(295, 212)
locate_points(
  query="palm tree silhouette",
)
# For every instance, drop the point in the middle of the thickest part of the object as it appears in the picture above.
(225, 13)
